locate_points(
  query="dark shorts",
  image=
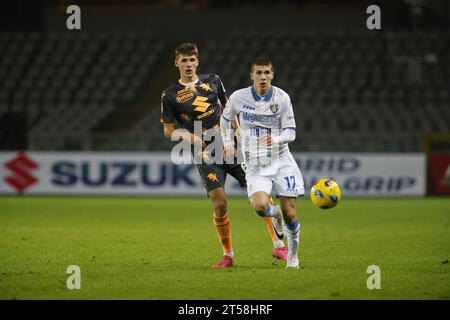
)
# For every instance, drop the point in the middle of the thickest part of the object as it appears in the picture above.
(214, 175)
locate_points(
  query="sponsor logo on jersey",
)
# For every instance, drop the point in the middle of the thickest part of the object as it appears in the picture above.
(205, 114)
(201, 104)
(261, 118)
(246, 106)
(184, 96)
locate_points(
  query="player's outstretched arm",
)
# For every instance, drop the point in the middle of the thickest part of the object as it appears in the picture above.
(288, 135)
(228, 122)
(288, 126)
(227, 135)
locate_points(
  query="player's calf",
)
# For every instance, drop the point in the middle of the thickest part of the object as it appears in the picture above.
(292, 230)
(219, 202)
(289, 209)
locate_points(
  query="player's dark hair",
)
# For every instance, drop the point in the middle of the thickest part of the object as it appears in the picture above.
(186, 49)
(261, 61)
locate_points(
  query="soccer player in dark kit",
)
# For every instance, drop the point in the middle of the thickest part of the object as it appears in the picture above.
(202, 98)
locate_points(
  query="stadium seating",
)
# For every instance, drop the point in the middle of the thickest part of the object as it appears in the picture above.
(351, 90)
(364, 89)
(66, 82)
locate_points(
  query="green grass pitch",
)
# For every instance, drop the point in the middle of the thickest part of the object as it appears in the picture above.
(163, 248)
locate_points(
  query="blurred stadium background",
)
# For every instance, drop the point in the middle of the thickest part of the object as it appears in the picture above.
(99, 88)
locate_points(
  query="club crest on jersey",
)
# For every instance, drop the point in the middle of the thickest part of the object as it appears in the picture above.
(274, 107)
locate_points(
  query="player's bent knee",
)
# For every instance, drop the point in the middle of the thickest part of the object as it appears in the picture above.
(259, 201)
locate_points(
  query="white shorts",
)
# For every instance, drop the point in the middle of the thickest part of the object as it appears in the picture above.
(286, 182)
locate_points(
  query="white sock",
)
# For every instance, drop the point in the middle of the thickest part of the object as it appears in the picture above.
(270, 210)
(277, 244)
(293, 238)
(230, 254)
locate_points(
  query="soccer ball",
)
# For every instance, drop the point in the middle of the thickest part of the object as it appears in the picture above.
(325, 193)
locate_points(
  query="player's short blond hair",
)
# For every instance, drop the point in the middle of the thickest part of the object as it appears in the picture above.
(186, 49)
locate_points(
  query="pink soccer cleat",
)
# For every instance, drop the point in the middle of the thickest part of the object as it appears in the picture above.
(225, 262)
(280, 253)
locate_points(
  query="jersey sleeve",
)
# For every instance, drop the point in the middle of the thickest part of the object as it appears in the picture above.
(288, 128)
(166, 110)
(228, 115)
(221, 91)
(287, 117)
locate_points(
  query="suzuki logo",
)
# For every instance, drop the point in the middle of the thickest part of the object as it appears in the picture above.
(21, 167)
(201, 104)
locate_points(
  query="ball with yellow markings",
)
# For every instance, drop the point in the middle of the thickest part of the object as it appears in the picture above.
(325, 193)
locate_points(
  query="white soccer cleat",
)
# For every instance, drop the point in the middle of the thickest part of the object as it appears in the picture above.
(292, 262)
(278, 224)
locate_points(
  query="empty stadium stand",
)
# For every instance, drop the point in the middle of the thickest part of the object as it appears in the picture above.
(351, 90)
(67, 82)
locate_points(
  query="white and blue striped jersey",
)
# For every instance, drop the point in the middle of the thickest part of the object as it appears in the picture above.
(271, 114)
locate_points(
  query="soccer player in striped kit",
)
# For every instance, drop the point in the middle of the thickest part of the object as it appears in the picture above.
(267, 123)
